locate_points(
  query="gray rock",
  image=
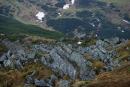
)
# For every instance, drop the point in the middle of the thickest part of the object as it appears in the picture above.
(18, 64)
(31, 55)
(30, 78)
(27, 85)
(78, 58)
(53, 78)
(41, 83)
(8, 63)
(86, 73)
(63, 83)
(61, 58)
(62, 65)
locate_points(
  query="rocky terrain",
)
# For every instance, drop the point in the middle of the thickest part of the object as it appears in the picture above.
(58, 64)
(64, 43)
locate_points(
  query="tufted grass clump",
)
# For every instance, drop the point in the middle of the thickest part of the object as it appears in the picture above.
(2, 49)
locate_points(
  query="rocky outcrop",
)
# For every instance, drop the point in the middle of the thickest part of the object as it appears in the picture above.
(62, 59)
(16, 56)
(59, 65)
(99, 52)
(70, 61)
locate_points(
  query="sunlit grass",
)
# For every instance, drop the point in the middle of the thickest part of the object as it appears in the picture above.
(12, 26)
(16, 78)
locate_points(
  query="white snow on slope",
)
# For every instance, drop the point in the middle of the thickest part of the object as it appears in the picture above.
(66, 6)
(79, 42)
(122, 31)
(72, 2)
(40, 15)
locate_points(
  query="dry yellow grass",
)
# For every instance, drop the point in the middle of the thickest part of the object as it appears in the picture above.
(15, 78)
(124, 51)
(98, 64)
(118, 78)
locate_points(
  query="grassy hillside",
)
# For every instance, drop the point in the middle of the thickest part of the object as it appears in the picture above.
(119, 2)
(117, 78)
(12, 26)
(124, 5)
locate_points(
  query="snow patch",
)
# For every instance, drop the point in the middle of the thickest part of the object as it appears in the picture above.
(96, 35)
(126, 21)
(122, 31)
(59, 14)
(40, 15)
(79, 42)
(72, 2)
(66, 6)
(92, 24)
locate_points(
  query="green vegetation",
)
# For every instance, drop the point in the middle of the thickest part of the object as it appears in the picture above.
(15, 37)
(89, 42)
(11, 26)
(118, 2)
(123, 5)
(129, 69)
(2, 49)
(124, 52)
(39, 54)
(65, 24)
(81, 83)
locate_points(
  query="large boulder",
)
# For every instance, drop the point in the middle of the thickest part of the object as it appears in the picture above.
(58, 64)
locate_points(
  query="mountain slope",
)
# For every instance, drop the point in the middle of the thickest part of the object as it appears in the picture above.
(123, 5)
(11, 26)
(106, 18)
